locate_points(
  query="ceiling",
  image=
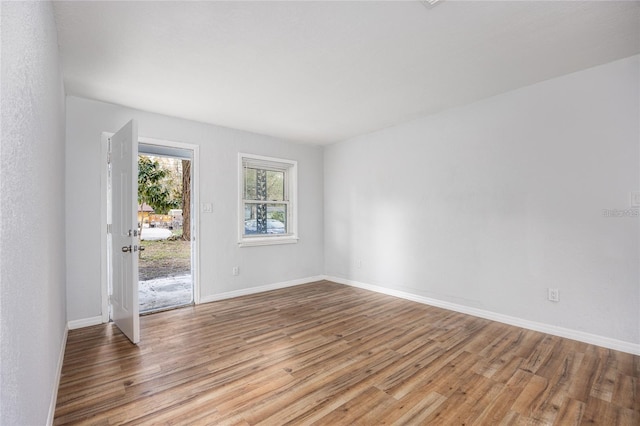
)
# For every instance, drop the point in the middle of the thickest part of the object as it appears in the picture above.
(322, 72)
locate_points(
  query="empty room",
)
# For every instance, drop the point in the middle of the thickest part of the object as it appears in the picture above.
(413, 212)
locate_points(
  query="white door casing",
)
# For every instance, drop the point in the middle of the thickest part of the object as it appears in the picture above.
(124, 230)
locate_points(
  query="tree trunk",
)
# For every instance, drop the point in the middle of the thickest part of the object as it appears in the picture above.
(186, 200)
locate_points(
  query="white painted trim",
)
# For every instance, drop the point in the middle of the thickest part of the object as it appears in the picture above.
(267, 241)
(104, 286)
(195, 218)
(581, 336)
(260, 289)
(164, 142)
(56, 384)
(85, 322)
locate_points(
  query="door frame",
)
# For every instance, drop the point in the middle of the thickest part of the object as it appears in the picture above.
(195, 214)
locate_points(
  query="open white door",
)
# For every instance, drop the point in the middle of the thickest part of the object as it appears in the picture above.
(124, 230)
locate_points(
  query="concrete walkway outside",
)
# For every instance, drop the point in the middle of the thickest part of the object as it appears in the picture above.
(165, 292)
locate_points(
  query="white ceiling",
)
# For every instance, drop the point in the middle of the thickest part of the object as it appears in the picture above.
(322, 72)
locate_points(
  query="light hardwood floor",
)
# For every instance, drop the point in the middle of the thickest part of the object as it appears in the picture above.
(329, 354)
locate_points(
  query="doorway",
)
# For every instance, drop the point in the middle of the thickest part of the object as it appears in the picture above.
(164, 228)
(155, 296)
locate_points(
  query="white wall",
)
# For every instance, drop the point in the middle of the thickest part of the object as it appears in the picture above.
(32, 265)
(219, 148)
(488, 205)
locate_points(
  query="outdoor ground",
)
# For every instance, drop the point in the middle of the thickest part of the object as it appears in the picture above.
(165, 275)
(164, 258)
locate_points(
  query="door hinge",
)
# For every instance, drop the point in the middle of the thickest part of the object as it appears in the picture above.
(108, 228)
(109, 151)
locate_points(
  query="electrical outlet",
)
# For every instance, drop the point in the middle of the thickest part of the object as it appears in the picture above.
(235, 270)
(207, 208)
(554, 295)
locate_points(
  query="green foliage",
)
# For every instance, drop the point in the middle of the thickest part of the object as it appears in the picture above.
(278, 215)
(153, 188)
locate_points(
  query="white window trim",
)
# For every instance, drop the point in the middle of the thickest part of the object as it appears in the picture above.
(292, 211)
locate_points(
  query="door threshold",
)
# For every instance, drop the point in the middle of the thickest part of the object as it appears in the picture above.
(167, 308)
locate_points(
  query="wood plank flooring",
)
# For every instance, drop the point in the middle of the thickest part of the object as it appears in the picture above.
(328, 354)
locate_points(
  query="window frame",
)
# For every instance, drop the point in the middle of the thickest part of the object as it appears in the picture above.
(290, 169)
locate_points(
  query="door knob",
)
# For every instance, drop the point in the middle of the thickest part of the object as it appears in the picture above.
(141, 248)
(126, 248)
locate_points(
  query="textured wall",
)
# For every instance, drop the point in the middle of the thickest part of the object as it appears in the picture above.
(32, 262)
(487, 205)
(219, 252)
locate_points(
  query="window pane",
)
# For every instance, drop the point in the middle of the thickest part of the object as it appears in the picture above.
(249, 184)
(275, 186)
(261, 184)
(277, 218)
(256, 222)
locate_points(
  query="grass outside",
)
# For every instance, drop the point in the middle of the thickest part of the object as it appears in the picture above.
(164, 258)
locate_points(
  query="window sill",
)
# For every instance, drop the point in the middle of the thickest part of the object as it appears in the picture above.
(267, 241)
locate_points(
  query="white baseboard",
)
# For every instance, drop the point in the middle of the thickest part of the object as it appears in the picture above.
(56, 384)
(606, 342)
(594, 339)
(88, 322)
(260, 289)
(85, 322)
